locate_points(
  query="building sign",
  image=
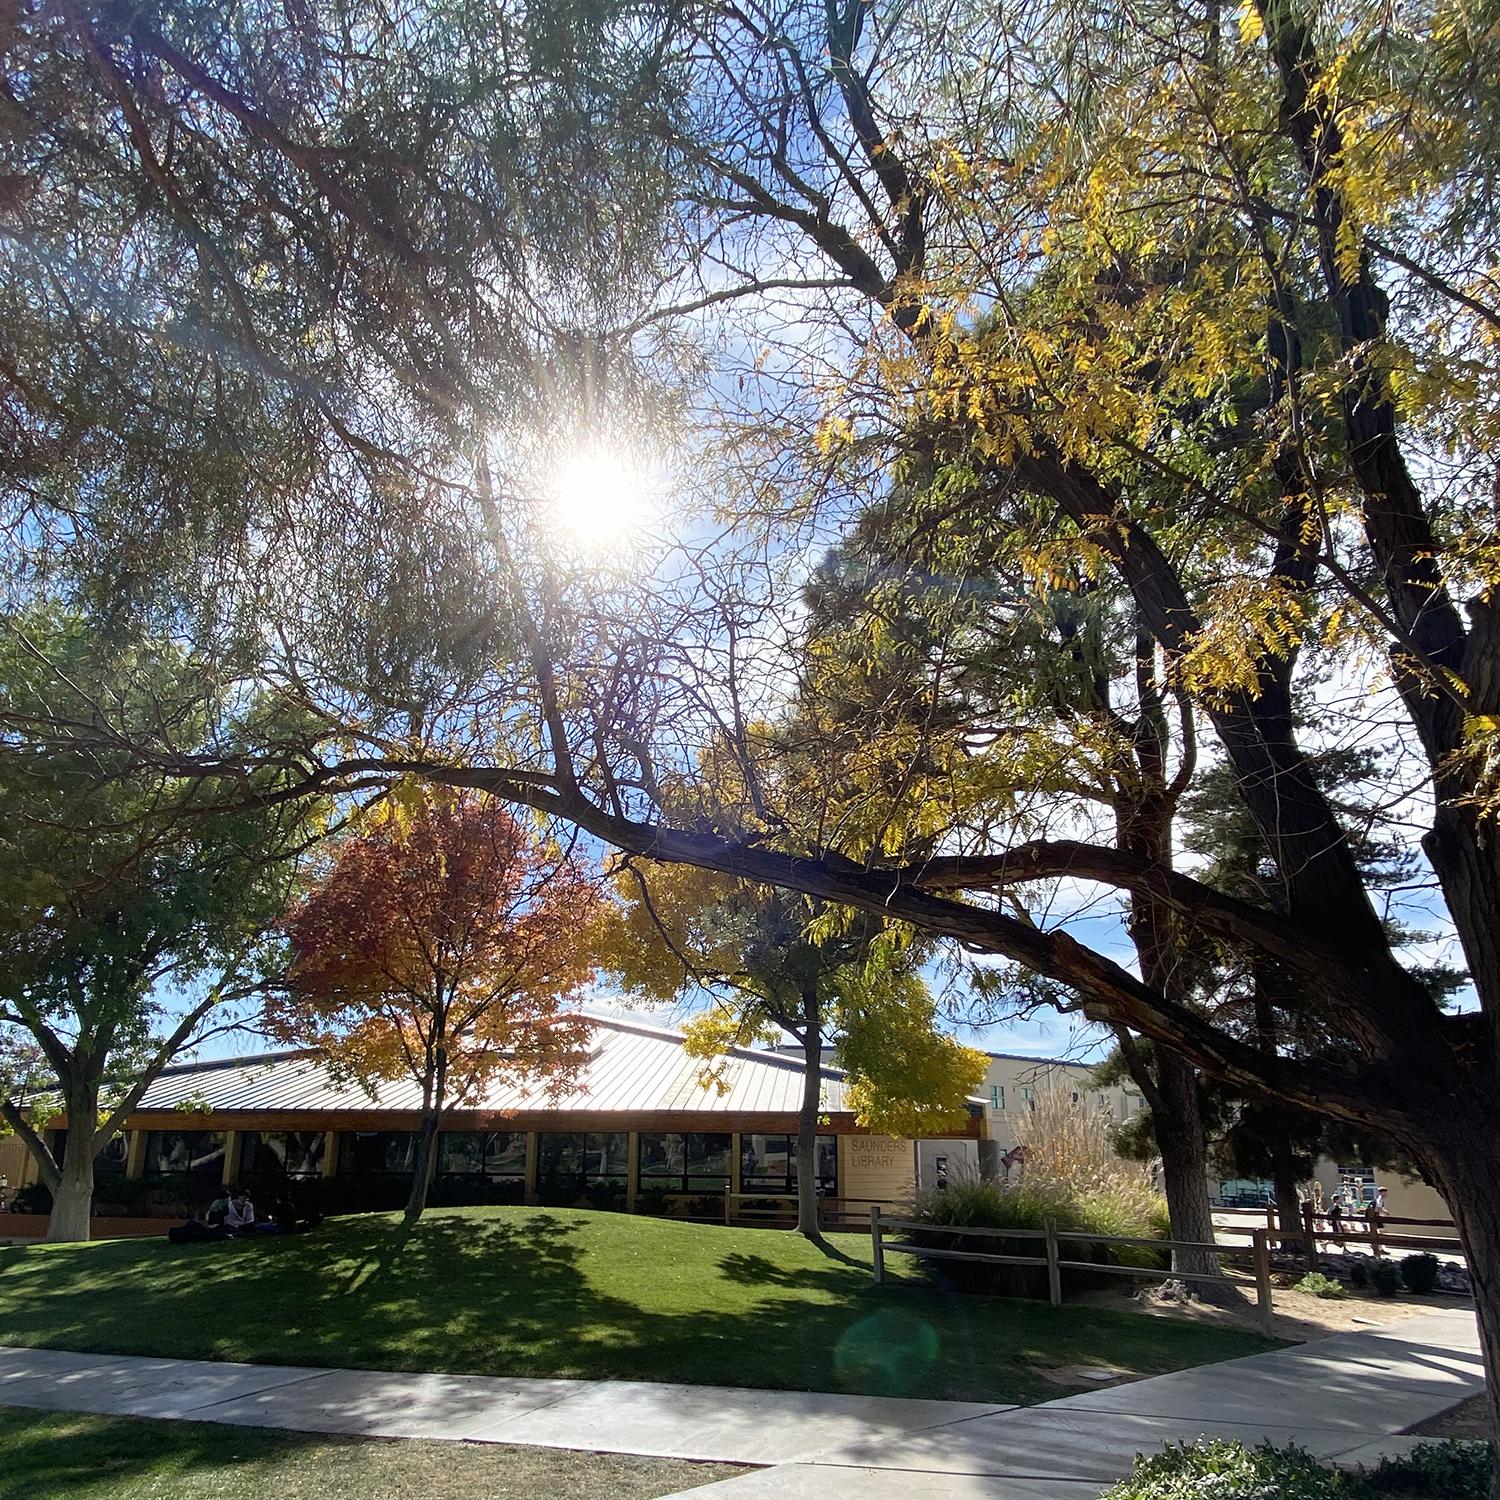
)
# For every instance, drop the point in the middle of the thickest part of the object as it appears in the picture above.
(877, 1167)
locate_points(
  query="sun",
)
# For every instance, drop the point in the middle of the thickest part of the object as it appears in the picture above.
(602, 499)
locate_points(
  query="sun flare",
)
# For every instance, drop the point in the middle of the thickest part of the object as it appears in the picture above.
(602, 498)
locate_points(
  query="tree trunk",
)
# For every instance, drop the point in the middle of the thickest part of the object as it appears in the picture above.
(1183, 1145)
(426, 1158)
(807, 1116)
(1462, 1167)
(1288, 1205)
(73, 1192)
(434, 1096)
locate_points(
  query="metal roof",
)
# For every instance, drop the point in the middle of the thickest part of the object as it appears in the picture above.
(631, 1068)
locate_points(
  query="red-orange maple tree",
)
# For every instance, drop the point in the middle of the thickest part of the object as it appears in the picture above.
(442, 944)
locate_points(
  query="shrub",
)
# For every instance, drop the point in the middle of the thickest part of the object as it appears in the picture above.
(1359, 1273)
(1230, 1471)
(1385, 1277)
(1071, 1174)
(1420, 1272)
(34, 1198)
(1316, 1284)
(1456, 1469)
(1028, 1205)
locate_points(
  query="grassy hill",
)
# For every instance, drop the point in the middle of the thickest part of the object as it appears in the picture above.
(515, 1291)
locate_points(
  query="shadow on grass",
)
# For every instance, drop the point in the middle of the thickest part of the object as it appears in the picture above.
(63, 1456)
(514, 1292)
(54, 1456)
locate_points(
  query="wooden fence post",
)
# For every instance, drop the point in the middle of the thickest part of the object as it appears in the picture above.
(1263, 1301)
(877, 1250)
(1054, 1271)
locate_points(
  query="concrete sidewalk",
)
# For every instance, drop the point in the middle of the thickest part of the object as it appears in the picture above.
(719, 1423)
(1339, 1397)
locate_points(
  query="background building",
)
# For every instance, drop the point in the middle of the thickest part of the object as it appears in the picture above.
(1012, 1084)
(639, 1131)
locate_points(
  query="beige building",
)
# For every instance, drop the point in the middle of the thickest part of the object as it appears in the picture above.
(1012, 1085)
(1406, 1197)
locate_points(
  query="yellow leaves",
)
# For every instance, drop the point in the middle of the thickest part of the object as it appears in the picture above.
(1251, 618)
(711, 1036)
(907, 1078)
(834, 433)
(1252, 27)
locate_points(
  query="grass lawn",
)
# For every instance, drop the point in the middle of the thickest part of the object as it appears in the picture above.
(515, 1291)
(52, 1455)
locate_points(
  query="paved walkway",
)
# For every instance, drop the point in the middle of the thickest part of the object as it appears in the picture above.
(715, 1423)
(1338, 1397)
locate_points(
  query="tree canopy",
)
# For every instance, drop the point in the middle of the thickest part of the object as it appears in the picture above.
(443, 943)
(125, 891)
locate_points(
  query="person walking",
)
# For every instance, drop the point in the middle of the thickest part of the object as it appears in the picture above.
(1336, 1217)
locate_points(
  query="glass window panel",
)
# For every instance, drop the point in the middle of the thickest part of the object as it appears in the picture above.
(769, 1163)
(606, 1156)
(560, 1158)
(708, 1158)
(169, 1151)
(293, 1153)
(261, 1152)
(505, 1154)
(661, 1156)
(304, 1153)
(765, 1160)
(384, 1152)
(828, 1162)
(401, 1151)
(462, 1152)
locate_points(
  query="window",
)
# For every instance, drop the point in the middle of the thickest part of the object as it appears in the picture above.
(287, 1153)
(768, 1164)
(1028, 1096)
(384, 1153)
(997, 1096)
(495, 1155)
(111, 1158)
(193, 1157)
(571, 1162)
(685, 1163)
(1358, 1182)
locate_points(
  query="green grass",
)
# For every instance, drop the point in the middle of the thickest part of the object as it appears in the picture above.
(62, 1456)
(512, 1291)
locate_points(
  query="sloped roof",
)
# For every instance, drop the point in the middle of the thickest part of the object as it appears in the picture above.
(631, 1067)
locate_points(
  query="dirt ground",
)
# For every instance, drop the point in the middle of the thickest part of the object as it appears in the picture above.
(1300, 1318)
(1469, 1419)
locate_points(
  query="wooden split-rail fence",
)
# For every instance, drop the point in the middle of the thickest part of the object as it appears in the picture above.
(1051, 1239)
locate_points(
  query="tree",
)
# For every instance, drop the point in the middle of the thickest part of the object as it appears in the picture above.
(441, 944)
(123, 891)
(1089, 711)
(1153, 207)
(777, 963)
